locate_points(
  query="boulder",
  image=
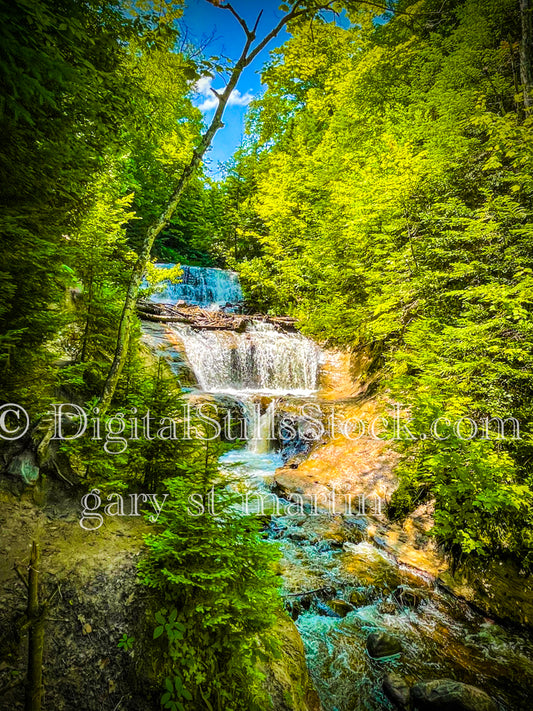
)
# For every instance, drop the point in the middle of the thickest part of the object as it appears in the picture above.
(369, 565)
(396, 690)
(25, 467)
(449, 695)
(286, 677)
(341, 607)
(382, 644)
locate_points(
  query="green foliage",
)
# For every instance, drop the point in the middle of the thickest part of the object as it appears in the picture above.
(63, 96)
(126, 643)
(389, 195)
(83, 174)
(96, 123)
(213, 575)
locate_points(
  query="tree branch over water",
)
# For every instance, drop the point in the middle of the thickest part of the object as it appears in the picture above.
(248, 54)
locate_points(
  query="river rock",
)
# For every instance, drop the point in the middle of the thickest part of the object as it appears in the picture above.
(286, 675)
(334, 541)
(294, 608)
(341, 607)
(359, 597)
(382, 644)
(407, 597)
(449, 695)
(387, 607)
(370, 566)
(396, 689)
(302, 536)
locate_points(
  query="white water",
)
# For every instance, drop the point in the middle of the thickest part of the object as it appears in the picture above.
(201, 286)
(261, 360)
(441, 638)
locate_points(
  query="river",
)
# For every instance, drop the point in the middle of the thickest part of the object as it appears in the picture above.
(338, 585)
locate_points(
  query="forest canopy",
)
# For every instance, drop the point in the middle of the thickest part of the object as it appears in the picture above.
(382, 197)
(385, 200)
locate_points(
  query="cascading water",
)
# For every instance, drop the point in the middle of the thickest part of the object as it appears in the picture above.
(201, 286)
(260, 360)
(441, 636)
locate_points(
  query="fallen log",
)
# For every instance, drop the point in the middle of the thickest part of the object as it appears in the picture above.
(200, 318)
(162, 318)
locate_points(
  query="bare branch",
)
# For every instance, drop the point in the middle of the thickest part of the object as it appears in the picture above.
(293, 14)
(257, 23)
(241, 20)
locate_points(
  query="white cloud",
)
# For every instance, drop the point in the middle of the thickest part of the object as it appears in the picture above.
(238, 99)
(203, 88)
(211, 102)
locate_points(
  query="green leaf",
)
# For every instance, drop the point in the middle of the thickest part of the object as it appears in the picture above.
(158, 631)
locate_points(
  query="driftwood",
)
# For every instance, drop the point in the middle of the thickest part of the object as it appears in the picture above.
(35, 613)
(308, 592)
(162, 318)
(209, 320)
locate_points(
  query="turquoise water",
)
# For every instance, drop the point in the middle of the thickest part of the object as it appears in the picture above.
(442, 638)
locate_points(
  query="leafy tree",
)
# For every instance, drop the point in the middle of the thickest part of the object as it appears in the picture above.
(392, 182)
(213, 576)
(64, 96)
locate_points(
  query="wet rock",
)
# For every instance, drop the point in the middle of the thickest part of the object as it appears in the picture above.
(324, 609)
(370, 566)
(306, 601)
(396, 690)
(359, 597)
(335, 541)
(301, 536)
(499, 588)
(407, 597)
(287, 679)
(341, 607)
(25, 467)
(382, 644)
(449, 695)
(294, 608)
(388, 607)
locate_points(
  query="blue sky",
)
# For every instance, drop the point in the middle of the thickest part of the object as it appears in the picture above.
(202, 20)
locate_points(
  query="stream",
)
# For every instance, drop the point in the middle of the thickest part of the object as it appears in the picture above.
(338, 586)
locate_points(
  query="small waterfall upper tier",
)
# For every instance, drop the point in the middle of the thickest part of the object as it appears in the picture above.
(202, 286)
(261, 359)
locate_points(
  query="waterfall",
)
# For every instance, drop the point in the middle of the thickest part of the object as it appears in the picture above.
(202, 286)
(259, 427)
(260, 360)
(248, 366)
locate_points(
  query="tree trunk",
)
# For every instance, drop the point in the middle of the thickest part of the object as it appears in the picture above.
(526, 52)
(34, 682)
(247, 56)
(140, 266)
